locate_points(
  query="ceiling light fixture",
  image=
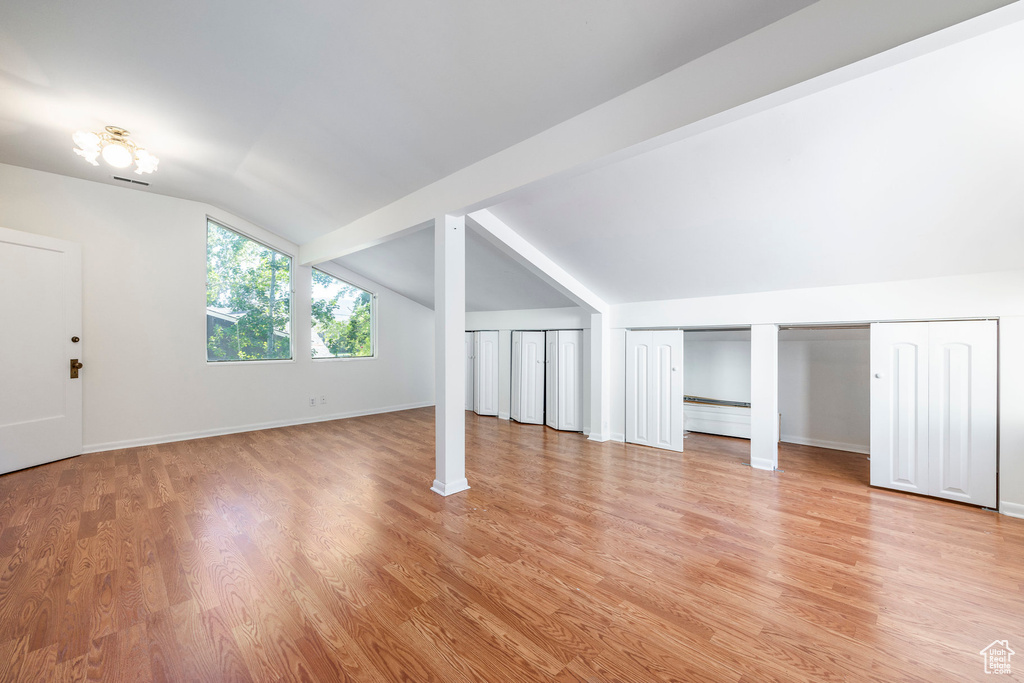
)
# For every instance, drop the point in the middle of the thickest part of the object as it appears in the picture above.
(116, 148)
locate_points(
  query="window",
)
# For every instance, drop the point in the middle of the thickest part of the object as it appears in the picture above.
(342, 319)
(248, 298)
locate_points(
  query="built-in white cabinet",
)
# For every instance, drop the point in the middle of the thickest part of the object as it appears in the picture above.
(564, 380)
(470, 367)
(933, 409)
(527, 377)
(485, 372)
(654, 388)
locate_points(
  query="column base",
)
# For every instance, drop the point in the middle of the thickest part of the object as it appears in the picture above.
(449, 488)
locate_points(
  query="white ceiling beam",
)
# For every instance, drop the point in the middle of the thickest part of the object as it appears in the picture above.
(810, 44)
(498, 233)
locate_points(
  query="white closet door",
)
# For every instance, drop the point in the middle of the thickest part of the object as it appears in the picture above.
(528, 377)
(962, 411)
(654, 388)
(551, 379)
(899, 406)
(933, 409)
(515, 407)
(666, 386)
(486, 372)
(470, 383)
(638, 369)
(569, 380)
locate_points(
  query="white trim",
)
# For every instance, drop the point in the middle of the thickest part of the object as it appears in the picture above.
(1011, 509)
(451, 487)
(763, 464)
(201, 434)
(596, 437)
(504, 416)
(621, 438)
(820, 443)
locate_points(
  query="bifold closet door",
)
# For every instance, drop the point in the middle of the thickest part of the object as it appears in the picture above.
(564, 380)
(933, 409)
(470, 384)
(527, 377)
(654, 388)
(485, 370)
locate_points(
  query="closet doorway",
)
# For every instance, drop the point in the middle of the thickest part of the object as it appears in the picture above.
(824, 400)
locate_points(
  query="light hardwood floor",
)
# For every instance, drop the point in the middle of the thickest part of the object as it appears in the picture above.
(318, 553)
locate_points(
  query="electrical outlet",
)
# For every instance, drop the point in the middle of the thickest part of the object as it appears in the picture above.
(323, 399)
(312, 401)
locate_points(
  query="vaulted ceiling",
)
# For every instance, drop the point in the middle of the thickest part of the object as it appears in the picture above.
(302, 117)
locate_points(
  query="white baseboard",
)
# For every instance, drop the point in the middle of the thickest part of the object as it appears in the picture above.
(449, 488)
(1011, 509)
(201, 434)
(819, 443)
(504, 416)
(621, 438)
(762, 464)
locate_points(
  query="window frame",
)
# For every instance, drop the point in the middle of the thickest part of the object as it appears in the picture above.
(373, 321)
(291, 300)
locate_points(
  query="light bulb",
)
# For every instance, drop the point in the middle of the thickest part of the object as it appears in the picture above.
(117, 154)
(89, 155)
(86, 140)
(145, 162)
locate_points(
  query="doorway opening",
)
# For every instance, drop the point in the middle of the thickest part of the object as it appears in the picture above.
(716, 381)
(824, 401)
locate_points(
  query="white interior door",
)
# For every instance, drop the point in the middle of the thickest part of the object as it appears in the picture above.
(654, 388)
(551, 379)
(899, 406)
(962, 411)
(569, 380)
(470, 383)
(486, 372)
(41, 304)
(638, 370)
(528, 377)
(933, 409)
(666, 387)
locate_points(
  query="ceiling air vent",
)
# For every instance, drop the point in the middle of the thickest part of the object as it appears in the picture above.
(131, 181)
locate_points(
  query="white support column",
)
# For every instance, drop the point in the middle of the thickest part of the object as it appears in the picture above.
(600, 377)
(764, 396)
(449, 354)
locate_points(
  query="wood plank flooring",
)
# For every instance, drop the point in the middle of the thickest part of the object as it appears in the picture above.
(317, 553)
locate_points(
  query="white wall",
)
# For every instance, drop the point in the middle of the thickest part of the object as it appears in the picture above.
(717, 365)
(146, 378)
(824, 388)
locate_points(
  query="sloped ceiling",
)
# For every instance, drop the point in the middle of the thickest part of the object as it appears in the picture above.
(494, 282)
(911, 172)
(303, 116)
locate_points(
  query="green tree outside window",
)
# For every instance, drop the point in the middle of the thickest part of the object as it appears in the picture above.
(342, 319)
(248, 298)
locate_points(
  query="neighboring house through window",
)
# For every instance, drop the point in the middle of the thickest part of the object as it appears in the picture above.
(248, 298)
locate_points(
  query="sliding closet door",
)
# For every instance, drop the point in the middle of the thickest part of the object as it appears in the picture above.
(962, 411)
(470, 351)
(528, 377)
(638, 370)
(666, 387)
(486, 372)
(551, 379)
(569, 380)
(654, 388)
(899, 406)
(933, 409)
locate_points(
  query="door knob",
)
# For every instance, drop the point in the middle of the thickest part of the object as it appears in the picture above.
(878, 375)
(75, 367)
